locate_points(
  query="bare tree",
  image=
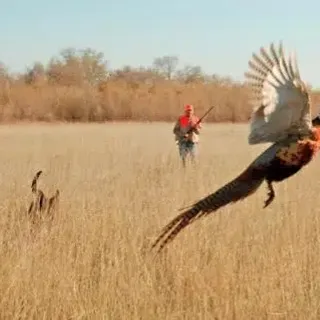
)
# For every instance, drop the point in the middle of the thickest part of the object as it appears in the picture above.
(190, 74)
(78, 67)
(141, 74)
(36, 73)
(166, 65)
(3, 70)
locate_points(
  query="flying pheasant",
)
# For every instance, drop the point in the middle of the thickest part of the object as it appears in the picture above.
(282, 116)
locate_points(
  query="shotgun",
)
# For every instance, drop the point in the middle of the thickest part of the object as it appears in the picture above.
(193, 127)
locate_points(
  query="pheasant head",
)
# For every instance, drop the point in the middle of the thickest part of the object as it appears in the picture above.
(316, 134)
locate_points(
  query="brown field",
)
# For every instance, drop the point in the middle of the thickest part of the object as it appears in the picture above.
(120, 183)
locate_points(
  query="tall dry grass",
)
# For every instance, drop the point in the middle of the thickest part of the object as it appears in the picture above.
(124, 100)
(120, 184)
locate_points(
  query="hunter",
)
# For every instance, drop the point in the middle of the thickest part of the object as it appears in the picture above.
(187, 142)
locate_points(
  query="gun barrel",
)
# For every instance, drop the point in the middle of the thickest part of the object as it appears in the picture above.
(192, 128)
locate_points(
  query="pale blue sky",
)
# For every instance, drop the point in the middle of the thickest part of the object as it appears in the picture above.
(219, 36)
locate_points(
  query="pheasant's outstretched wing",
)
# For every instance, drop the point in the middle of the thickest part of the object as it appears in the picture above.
(238, 189)
(280, 96)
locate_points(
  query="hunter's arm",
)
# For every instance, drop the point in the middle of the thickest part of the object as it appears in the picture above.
(176, 129)
(196, 130)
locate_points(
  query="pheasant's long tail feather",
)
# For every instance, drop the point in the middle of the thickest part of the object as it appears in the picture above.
(236, 190)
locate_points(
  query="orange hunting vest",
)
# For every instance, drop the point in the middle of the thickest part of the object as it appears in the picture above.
(184, 121)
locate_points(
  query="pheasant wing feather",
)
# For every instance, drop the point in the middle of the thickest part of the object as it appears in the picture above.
(280, 96)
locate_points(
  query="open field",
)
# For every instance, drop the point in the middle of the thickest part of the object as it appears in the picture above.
(120, 184)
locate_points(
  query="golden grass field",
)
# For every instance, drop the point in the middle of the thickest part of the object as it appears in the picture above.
(120, 184)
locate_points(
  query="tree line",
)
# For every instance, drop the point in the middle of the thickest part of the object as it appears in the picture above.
(78, 85)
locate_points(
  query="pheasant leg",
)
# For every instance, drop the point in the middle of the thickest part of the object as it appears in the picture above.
(271, 194)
